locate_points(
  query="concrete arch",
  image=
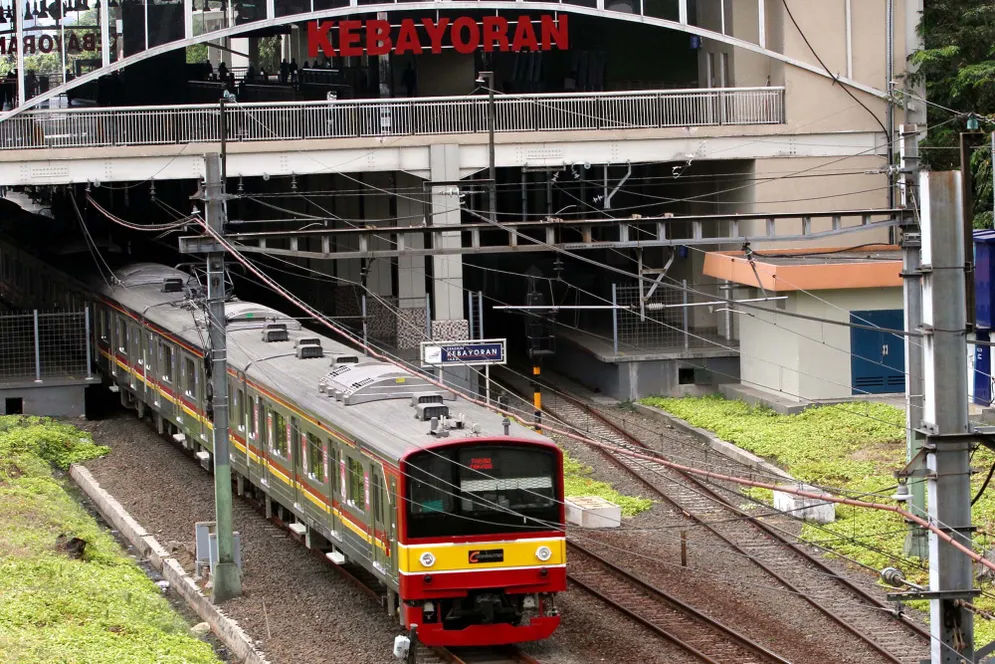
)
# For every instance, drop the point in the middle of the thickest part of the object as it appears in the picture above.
(447, 5)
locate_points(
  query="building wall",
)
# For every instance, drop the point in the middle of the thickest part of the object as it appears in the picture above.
(805, 359)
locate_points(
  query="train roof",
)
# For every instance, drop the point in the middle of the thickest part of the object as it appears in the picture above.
(371, 401)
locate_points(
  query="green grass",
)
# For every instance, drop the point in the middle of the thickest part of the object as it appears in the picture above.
(101, 608)
(853, 446)
(577, 481)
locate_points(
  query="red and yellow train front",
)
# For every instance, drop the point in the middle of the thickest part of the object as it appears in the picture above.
(482, 550)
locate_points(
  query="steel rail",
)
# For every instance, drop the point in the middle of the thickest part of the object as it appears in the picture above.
(688, 610)
(701, 488)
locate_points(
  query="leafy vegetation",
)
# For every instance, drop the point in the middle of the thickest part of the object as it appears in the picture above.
(854, 447)
(63, 605)
(577, 481)
(957, 66)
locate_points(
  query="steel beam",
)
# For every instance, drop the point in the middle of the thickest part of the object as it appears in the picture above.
(531, 236)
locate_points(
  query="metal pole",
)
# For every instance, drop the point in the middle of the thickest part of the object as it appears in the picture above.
(889, 68)
(487, 384)
(469, 306)
(491, 121)
(428, 317)
(945, 419)
(366, 345)
(480, 314)
(37, 347)
(916, 541)
(684, 312)
(614, 319)
(224, 137)
(227, 578)
(89, 358)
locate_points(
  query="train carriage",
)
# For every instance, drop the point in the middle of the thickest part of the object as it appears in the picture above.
(457, 511)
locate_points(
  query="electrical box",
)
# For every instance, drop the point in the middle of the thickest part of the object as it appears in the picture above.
(984, 270)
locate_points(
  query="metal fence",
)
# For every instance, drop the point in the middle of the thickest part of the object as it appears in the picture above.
(157, 125)
(37, 345)
(668, 318)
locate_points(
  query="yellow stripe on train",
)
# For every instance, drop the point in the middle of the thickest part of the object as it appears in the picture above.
(450, 557)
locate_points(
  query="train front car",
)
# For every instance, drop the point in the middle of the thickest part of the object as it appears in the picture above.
(481, 550)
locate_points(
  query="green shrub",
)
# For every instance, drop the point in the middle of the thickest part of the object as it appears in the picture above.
(577, 481)
(854, 447)
(57, 608)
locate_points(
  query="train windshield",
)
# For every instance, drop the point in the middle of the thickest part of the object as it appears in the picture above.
(482, 489)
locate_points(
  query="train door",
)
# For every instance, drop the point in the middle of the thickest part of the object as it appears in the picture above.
(382, 522)
(336, 486)
(296, 459)
(134, 354)
(166, 378)
(255, 427)
(144, 362)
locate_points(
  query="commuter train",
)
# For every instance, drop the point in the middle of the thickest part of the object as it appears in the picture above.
(455, 510)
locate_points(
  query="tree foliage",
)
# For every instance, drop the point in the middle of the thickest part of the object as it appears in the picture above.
(957, 67)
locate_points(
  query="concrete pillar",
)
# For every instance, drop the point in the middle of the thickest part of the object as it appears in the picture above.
(410, 269)
(448, 322)
(447, 288)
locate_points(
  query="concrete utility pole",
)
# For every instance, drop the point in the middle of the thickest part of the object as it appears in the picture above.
(916, 542)
(945, 417)
(488, 78)
(227, 580)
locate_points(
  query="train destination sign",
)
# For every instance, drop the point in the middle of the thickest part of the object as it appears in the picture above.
(426, 35)
(463, 353)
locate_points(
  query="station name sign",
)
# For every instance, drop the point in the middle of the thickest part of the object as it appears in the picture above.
(426, 35)
(463, 353)
(53, 43)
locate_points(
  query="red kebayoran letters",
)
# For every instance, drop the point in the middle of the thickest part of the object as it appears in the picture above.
(465, 34)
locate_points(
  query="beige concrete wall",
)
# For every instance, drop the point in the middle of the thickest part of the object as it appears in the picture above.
(802, 358)
(828, 185)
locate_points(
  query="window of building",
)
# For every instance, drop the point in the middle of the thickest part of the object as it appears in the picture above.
(354, 472)
(278, 438)
(314, 457)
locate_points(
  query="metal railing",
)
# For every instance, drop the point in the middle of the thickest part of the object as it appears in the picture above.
(159, 125)
(40, 344)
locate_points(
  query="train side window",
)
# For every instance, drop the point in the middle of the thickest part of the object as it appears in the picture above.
(278, 441)
(103, 324)
(314, 457)
(239, 409)
(120, 335)
(253, 416)
(166, 361)
(356, 496)
(189, 382)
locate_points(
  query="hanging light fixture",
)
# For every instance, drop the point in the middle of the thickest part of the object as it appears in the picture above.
(112, 3)
(41, 10)
(27, 12)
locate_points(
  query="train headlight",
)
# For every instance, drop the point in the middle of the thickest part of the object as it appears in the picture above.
(427, 559)
(544, 553)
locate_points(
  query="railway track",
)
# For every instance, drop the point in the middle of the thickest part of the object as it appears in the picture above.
(366, 583)
(702, 637)
(843, 602)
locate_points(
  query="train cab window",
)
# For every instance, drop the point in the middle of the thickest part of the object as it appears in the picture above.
(490, 488)
(278, 439)
(314, 457)
(166, 361)
(354, 475)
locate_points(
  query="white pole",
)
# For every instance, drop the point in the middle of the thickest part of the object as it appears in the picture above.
(487, 383)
